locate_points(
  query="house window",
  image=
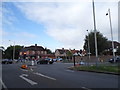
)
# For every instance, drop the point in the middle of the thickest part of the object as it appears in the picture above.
(42, 52)
(27, 52)
(33, 52)
(38, 52)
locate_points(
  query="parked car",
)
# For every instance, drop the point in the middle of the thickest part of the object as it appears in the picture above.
(45, 61)
(54, 59)
(59, 59)
(117, 59)
(7, 61)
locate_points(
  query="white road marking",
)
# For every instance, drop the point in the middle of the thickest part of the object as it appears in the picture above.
(24, 70)
(69, 70)
(45, 76)
(85, 88)
(4, 86)
(28, 80)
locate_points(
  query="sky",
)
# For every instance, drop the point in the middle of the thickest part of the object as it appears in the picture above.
(55, 24)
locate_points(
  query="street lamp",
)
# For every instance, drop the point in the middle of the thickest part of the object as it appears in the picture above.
(111, 33)
(13, 49)
(88, 45)
(95, 32)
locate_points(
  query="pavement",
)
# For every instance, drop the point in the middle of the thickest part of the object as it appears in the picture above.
(54, 75)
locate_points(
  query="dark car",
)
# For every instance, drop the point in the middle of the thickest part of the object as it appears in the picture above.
(7, 61)
(117, 59)
(45, 61)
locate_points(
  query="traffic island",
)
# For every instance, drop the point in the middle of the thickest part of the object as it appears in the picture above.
(99, 69)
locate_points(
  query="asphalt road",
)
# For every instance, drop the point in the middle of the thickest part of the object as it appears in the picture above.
(54, 76)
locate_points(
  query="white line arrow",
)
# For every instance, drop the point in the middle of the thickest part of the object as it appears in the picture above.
(26, 79)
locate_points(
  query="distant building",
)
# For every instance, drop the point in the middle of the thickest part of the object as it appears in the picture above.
(67, 54)
(61, 53)
(34, 52)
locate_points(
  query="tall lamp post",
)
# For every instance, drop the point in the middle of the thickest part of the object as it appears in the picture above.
(88, 45)
(96, 50)
(13, 49)
(111, 33)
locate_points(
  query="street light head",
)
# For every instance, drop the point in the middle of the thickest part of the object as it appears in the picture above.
(106, 14)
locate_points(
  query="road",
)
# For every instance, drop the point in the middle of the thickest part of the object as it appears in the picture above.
(54, 76)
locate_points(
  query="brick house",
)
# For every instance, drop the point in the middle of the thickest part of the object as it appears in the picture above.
(67, 54)
(61, 53)
(34, 52)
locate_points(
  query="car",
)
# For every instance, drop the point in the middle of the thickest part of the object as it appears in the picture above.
(59, 59)
(7, 61)
(54, 59)
(117, 59)
(45, 61)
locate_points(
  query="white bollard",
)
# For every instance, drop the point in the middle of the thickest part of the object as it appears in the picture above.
(32, 63)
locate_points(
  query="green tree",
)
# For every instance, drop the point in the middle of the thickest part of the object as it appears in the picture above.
(49, 51)
(102, 43)
(9, 51)
(69, 54)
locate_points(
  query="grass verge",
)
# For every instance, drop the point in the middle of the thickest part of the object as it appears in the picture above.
(100, 68)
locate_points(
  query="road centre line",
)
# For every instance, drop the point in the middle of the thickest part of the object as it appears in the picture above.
(26, 79)
(4, 86)
(44, 76)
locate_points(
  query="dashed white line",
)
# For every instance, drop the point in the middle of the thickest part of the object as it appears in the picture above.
(26, 79)
(4, 86)
(45, 76)
(69, 70)
(85, 88)
(24, 70)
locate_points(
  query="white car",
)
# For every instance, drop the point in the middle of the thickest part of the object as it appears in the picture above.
(59, 59)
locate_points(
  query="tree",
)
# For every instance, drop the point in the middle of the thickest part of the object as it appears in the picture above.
(69, 54)
(102, 43)
(49, 51)
(9, 51)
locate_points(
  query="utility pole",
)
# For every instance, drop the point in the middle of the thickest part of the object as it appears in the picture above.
(96, 51)
(14, 51)
(111, 33)
(88, 45)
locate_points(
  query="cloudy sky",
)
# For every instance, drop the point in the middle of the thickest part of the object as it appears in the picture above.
(53, 24)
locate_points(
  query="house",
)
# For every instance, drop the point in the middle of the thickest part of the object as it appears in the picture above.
(66, 54)
(34, 52)
(61, 53)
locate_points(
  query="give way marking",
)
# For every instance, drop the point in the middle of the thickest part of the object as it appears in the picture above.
(26, 79)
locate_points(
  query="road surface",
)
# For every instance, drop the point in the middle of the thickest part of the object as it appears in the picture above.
(54, 76)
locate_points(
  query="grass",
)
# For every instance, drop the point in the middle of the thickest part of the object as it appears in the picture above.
(100, 68)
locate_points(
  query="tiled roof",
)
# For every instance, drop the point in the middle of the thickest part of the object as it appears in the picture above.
(32, 48)
(62, 51)
(75, 51)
